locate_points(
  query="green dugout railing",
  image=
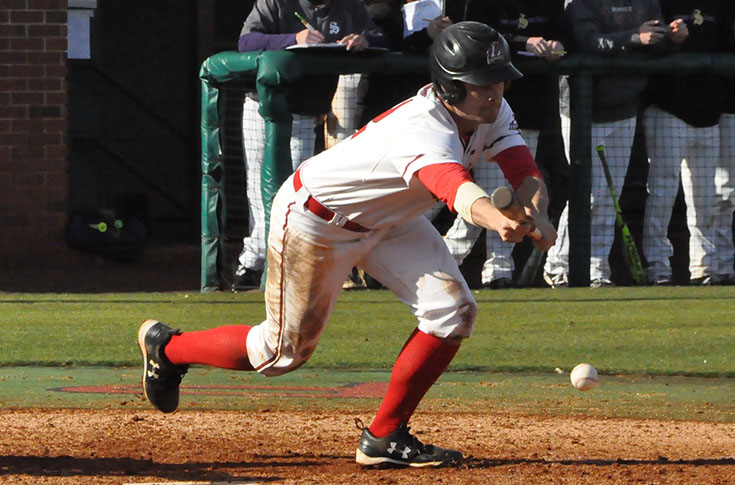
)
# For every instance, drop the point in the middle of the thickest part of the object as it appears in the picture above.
(274, 70)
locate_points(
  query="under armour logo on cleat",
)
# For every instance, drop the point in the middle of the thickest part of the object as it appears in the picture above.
(153, 373)
(392, 448)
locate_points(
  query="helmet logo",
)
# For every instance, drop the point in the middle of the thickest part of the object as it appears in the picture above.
(494, 53)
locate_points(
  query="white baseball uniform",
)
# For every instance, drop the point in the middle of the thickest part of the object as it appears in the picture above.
(360, 204)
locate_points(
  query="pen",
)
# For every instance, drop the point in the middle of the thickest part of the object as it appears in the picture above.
(531, 54)
(303, 21)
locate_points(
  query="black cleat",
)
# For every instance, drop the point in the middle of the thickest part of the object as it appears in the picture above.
(704, 281)
(499, 284)
(247, 279)
(403, 449)
(161, 378)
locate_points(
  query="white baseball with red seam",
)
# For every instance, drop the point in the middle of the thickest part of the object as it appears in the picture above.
(584, 377)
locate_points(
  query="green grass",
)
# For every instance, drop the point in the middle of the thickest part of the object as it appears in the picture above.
(661, 352)
(636, 331)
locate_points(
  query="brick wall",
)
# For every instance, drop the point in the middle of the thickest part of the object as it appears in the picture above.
(33, 126)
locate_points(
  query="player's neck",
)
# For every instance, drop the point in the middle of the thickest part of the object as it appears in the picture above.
(465, 127)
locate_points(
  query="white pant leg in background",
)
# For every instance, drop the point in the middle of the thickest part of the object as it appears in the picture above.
(346, 109)
(698, 183)
(617, 137)
(676, 149)
(302, 142)
(725, 190)
(556, 267)
(303, 138)
(666, 146)
(252, 255)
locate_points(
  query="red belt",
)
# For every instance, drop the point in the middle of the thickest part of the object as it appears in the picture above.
(328, 215)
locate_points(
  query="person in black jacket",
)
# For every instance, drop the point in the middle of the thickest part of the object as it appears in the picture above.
(683, 142)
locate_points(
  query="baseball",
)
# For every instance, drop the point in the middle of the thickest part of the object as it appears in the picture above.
(584, 377)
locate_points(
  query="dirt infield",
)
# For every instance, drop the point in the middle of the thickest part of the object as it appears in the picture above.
(118, 446)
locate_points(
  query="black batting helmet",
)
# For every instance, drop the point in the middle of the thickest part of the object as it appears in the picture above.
(471, 52)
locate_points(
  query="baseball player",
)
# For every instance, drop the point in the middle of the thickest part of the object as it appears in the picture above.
(531, 27)
(683, 142)
(275, 24)
(609, 27)
(361, 203)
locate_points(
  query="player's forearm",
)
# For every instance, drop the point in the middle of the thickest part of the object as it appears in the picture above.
(533, 193)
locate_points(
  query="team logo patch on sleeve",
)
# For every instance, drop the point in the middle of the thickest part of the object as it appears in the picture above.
(334, 27)
(698, 17)
(522, 22)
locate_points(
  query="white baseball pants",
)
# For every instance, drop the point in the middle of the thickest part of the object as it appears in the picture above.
(676, 148)
(462, 235)
(303, 139)
(346, 109)
(725, 203)
(617, 137)
(309, 260)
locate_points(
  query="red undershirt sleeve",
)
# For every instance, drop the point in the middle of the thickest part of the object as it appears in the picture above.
(443, 180)
(517, 163)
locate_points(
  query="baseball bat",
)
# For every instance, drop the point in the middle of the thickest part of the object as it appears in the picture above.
(532, 268)
(505, 201)
(630, 251)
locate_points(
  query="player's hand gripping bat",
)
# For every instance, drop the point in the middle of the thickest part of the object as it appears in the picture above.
(630, 252)
(505, 201)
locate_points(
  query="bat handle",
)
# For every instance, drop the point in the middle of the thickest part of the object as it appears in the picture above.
(502, 198)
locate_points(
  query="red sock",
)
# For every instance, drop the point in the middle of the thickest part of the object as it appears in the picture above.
(219, 347)
(420, 363)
